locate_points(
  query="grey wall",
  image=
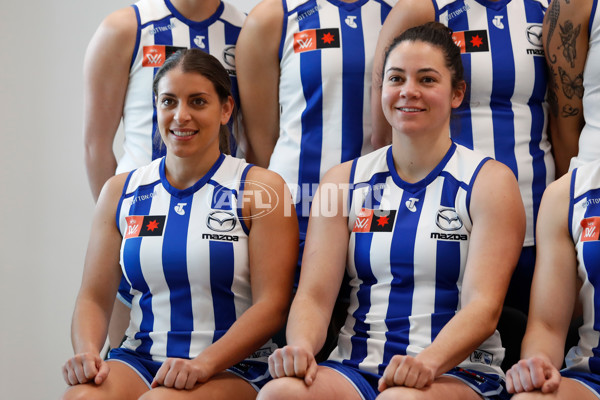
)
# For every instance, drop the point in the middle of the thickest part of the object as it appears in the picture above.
(45, 203)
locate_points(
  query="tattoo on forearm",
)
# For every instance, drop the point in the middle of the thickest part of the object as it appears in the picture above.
(569, 111)
(552, 15)
(568, 35)
(552, 102)
(571, 87)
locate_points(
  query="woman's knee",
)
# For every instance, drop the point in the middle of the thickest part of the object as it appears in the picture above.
(284, 388)
(83, 392)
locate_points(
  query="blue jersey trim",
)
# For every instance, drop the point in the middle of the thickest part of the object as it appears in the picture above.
(470, 189)
(173, 191)
(123, 196)
(592, 17)
(240, 197)
(572, 201)
(283, 28)
(415, 187)
(138, 35)
(197, 25)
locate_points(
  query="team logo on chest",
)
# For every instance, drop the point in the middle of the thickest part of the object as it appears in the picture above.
(144, 225)
(368, 220)
(591, 229)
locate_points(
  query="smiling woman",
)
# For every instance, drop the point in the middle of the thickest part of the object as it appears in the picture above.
(205, 299)
(427, 272)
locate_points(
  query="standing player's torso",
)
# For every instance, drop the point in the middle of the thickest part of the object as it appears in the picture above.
(589, 142)
(326, 55)
(406, 259)
(504, 113)
(185, 255)
(162, 30)
(585, 230)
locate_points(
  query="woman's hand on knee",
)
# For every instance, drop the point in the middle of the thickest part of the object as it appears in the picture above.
(406, 371)
(84, 368)
(532, 374)
(293, 361)
(180, 373)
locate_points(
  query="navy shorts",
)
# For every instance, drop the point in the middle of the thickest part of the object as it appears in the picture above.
(489, 386)
(256, 373)
(587, 379)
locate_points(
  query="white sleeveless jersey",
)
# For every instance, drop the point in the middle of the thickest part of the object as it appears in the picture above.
(326, 58)
(162, 30)
(589, 141)
(185, 256)
(584, 218)
(504, 114)
(406, 259)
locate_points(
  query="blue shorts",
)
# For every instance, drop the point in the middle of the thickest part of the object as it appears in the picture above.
(587, 379)
(256, 373)
(489, 386)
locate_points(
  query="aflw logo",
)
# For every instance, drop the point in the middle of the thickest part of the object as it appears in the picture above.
(590, 229)
(304, 43)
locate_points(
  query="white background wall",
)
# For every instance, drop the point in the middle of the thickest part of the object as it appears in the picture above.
(45, 203)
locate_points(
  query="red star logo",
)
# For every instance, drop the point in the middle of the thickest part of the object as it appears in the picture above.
(327, 38)
(152, 225)
(383, 221)
(476, 41)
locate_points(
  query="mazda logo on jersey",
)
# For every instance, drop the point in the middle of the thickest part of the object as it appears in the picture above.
(368, 220)
(229, 56)
(447, 219)
(144, 225)
(221, 221)
(534, 34)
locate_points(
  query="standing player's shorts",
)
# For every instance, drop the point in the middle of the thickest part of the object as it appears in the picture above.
(256, 373)
(489, 386)
(587, 379)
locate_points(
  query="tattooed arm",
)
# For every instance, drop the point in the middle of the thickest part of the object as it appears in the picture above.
(566, 45)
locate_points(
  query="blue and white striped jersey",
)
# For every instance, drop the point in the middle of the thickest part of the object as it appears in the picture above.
(504, 114)
(584, 219)
(326, 58)
(406, 259)
(589, 145)
(162, 30)
(185, 256)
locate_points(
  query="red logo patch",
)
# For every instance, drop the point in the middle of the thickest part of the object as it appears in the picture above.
(591, 229)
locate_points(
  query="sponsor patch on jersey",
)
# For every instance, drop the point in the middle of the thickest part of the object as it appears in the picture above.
(471, 41)
(155, 55)
(316, 39)
(374, 220)
(591, 229)
(482, 357)
(144, 225)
